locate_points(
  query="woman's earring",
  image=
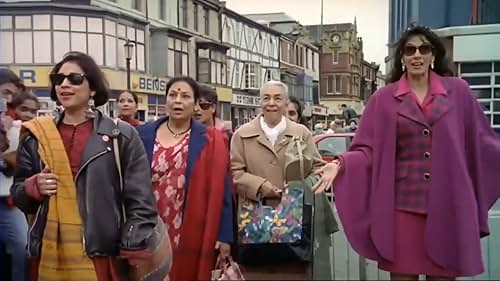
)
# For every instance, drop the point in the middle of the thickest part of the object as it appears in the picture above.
(404, 68)
(90, 111)
(432, 65)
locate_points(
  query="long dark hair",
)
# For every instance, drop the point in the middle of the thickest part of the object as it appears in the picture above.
(441, 62)
(301, 119)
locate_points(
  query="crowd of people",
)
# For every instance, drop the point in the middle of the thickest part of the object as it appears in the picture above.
(84, 196)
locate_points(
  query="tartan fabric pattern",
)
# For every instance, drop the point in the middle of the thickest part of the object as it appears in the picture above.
(414, 147)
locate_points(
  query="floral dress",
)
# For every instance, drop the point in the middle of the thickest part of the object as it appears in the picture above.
(168, 168)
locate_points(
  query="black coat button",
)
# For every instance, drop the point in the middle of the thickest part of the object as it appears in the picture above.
(427, 155)
(426, 132)
(427, 176)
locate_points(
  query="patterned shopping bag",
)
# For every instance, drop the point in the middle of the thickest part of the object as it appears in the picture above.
(226, 269)
(260, 224)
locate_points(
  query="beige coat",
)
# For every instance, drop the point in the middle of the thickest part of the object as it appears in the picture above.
(254, 160)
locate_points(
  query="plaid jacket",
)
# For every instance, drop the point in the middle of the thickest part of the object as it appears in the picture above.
(414, 151)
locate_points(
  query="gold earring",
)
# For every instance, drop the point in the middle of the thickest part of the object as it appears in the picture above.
(90, 110)
(432, 65)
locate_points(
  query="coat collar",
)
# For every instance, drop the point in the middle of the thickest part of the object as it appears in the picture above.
(438, 88)
(253, 130)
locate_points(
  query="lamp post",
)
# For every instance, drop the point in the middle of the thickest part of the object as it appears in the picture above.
(129, 49)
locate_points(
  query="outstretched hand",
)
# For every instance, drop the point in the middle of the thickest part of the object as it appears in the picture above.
(328, 174)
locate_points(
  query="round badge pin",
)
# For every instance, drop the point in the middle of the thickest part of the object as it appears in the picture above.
(105, 138)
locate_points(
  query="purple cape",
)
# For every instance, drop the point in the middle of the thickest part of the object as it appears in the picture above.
(465, 182)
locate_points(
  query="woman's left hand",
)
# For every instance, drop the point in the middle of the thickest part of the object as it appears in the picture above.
(224, 249)
(328, 174)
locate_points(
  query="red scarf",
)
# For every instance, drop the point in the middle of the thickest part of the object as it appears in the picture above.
(132, 121)
(194, 258)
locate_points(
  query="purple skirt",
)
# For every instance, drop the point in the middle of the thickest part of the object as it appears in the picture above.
(410, 256)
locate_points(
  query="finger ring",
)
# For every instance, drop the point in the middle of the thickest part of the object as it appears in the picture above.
(49, 181)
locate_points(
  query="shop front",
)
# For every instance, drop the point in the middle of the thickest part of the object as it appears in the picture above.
(320, 115)
(244, 108)
(150, 90)
(225, 97)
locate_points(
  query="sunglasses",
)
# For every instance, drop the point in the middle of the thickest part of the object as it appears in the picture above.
(424, 49)
(205, 105)
(73, 78)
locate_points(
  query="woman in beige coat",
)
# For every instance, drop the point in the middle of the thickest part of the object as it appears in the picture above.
(258, 159)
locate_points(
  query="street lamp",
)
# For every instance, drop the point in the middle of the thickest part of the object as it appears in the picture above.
(129, 49)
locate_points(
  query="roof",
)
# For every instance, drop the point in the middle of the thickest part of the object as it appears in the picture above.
(249, 21)
(271, 17)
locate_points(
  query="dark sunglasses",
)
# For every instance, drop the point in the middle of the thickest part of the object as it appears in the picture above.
(74, 78)
(424, 49)
(205, 105)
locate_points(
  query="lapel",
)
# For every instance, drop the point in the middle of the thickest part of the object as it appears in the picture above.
(441, 105)
(197, 141)
(286, 136)
(254, 130)
(97, 144)
(147, 132)
(409, 109)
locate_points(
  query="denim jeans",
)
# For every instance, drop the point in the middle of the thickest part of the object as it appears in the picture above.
(14, 237)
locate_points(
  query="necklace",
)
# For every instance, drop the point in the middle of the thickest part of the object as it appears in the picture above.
(176, 135)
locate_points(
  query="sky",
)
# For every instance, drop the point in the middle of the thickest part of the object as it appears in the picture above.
(372, 17)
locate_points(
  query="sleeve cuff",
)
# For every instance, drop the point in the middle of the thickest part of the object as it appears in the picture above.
(31, 188)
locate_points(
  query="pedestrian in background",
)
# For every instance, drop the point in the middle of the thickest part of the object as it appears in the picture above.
(13, 225)
(413, 192)
(127, 108)
(78, 230)
(295, 110)
(318, 129)
(206, 110)
(188, 162)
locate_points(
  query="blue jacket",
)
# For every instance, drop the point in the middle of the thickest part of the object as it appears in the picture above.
(196, 144)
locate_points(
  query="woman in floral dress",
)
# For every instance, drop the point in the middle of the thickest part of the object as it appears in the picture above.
(190, 181)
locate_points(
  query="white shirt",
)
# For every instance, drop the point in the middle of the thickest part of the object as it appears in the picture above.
(13, 137)
(272, 134)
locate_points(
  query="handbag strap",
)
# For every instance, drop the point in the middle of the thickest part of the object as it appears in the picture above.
(298, 141)
(116, 151)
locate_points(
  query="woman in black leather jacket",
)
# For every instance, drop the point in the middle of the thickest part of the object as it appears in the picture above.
(74, 198)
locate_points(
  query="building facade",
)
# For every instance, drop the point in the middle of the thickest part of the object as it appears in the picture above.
(252, 59)
(369, 80)
(341, 56)
(299, 59)
(478, 64)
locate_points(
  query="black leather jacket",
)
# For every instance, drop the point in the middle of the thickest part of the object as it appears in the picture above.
(98, 190)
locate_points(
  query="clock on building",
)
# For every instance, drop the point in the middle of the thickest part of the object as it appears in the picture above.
(335, 38)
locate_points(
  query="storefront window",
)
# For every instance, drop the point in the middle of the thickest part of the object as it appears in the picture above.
(32, 36)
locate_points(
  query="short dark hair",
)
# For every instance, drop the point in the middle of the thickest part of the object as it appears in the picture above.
(8, 76)
(208, 93)
(134, 96)
(343, 105)
(441, 63)
(93, 74)
(190, 81)
(22, 96)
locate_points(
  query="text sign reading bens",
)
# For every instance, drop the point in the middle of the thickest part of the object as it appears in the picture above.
(156, 85)
(246, 100)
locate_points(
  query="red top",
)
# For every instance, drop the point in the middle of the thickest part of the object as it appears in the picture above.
(169, 168)
(132, 121)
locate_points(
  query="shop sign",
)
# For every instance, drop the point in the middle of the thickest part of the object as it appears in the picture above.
(147, 84)
(140, 83)
(319, 110)
(246, 100)
(34, 76)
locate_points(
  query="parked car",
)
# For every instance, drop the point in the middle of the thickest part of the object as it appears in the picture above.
(333, 144)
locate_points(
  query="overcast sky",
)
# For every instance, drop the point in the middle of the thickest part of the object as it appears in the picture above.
(372, 17)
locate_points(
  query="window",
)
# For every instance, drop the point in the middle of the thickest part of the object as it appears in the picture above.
(212, 67)
(484, 80)
(251, 80)
(162, 9)
(184, 13)
(177, 57)
(334, 85)
(335, 56)
(195, 17)
(333, 146)
(206, 19)
(138, 5)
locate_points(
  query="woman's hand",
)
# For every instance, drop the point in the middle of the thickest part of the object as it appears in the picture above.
(328, 174)
(47, 182)
(224, 249)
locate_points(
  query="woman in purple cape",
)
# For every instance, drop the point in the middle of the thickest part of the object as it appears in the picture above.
(414, 190)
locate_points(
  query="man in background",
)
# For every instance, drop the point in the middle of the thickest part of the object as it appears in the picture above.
(348, 113)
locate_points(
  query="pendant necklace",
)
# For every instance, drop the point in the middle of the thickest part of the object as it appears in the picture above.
(176, 135)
